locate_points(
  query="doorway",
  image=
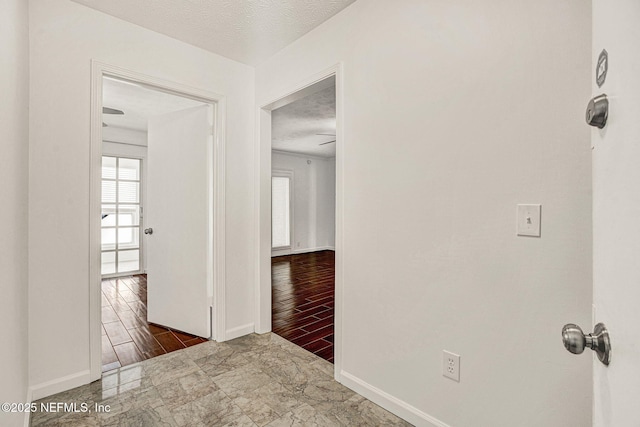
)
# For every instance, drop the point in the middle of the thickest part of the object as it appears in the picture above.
(136, 120)
(303, 157)
(158, 150)
(299, 286)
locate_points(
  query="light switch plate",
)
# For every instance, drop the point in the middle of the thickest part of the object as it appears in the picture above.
(528, 220)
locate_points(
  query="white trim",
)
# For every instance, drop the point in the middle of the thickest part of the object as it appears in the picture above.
(262, 226)
(27, 415)
(339, 242)
(216, 247)
(218, 321)
(95, 181)
(262, 203)
(111, 152)
(304, 156)
(288, 251)
(392, 404)
(318, 249)
(58, 385)
(280, 252)
(240, 331)
(123, 149)
(124, 143)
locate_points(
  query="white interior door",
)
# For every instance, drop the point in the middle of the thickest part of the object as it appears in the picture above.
(616, 212)
(179, 203)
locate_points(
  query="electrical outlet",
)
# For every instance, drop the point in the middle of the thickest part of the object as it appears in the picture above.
(451, 365)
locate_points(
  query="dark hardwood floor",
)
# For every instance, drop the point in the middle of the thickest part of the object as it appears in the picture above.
(127, 337)
(303, 292)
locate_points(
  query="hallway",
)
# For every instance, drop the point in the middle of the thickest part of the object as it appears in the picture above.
(453, 122)
(255, 380)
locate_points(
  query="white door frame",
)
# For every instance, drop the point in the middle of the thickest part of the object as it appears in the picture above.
(263, 201)
(216, 173)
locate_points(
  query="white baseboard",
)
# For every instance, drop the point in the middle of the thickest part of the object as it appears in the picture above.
(239, 331)
(389, 402)
(58, 385)
(283, 252)
(318, 249)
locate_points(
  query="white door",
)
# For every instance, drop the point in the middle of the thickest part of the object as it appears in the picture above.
(616, 212)
(178, 212)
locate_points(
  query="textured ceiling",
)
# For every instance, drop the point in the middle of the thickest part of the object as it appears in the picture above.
(295, 127)
(138, 104)
(247, 31)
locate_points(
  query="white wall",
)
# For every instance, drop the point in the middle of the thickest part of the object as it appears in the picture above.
(314, 185)
(64, 37)
(110, 148)
(125, 136)
(14, 140)
(454, 112)
(616, 203)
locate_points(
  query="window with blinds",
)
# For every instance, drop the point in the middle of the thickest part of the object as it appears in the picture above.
(120, 225)
(280, 212)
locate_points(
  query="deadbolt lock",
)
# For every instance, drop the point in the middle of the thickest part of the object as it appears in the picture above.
(598, 111)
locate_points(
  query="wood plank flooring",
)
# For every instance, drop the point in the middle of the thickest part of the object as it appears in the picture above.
(303, 296)
(127, 337)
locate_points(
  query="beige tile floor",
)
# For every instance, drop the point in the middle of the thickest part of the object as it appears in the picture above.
(256, 380)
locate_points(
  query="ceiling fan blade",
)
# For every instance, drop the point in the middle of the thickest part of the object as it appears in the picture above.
(107, 110)
(325, 143)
